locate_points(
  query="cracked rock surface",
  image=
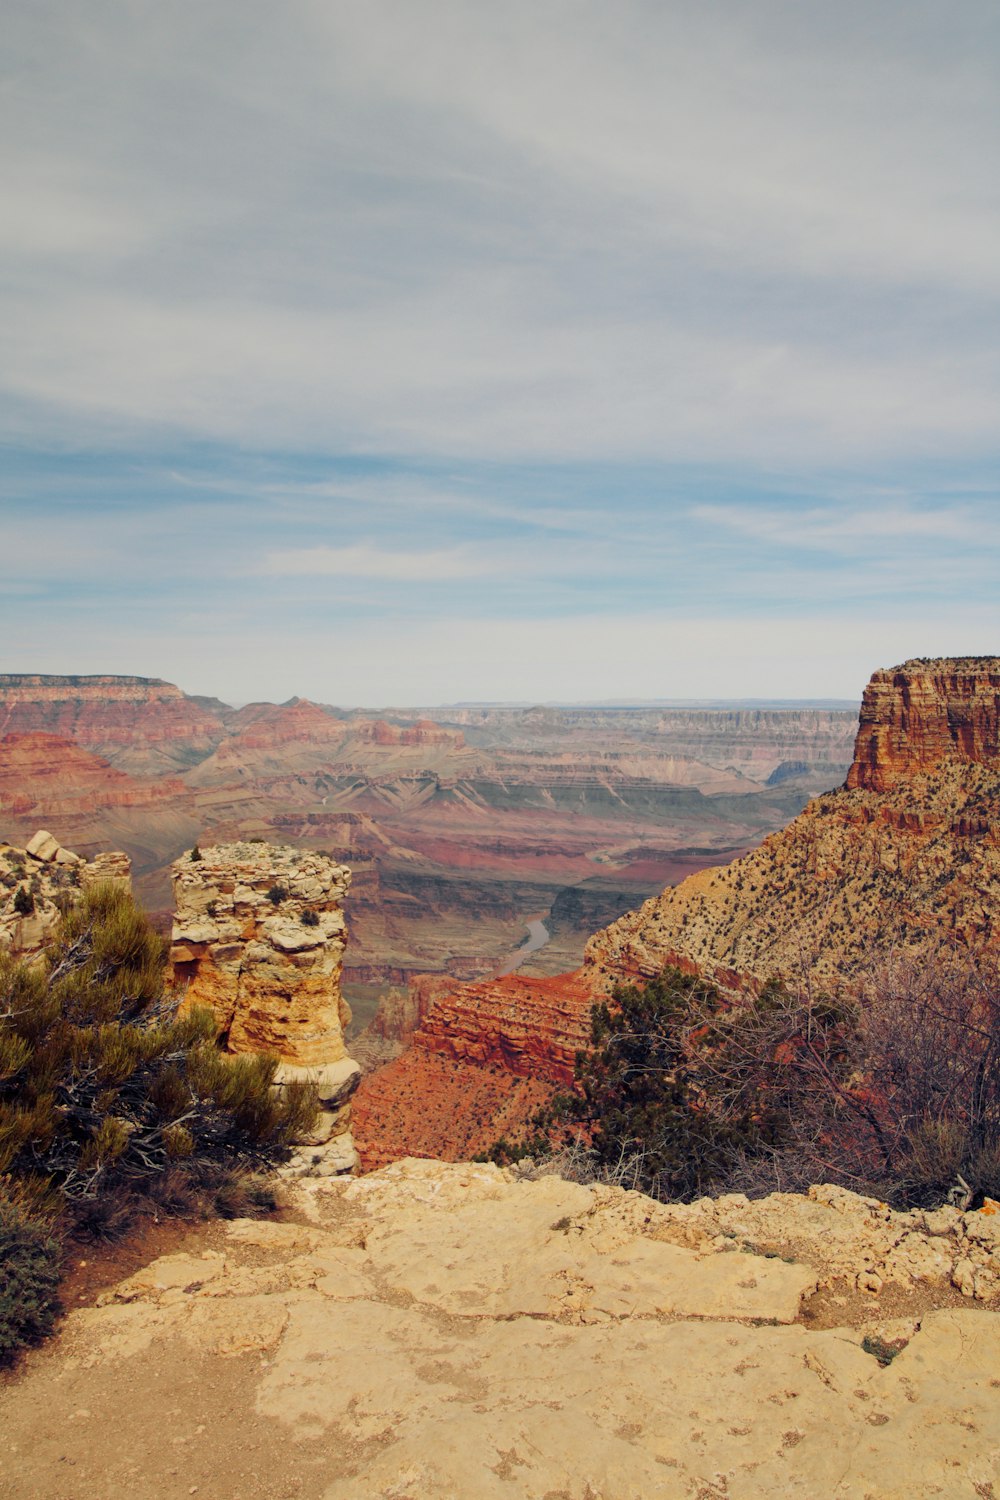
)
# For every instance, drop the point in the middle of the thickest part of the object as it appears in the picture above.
(439, 1331)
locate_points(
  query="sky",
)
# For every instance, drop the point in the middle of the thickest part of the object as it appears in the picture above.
(415, 351)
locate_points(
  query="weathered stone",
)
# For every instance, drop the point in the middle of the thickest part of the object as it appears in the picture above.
(241, 947)
(442, 1331)
(53, 878)
(43, 846)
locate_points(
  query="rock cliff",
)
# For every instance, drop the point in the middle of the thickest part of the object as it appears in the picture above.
(142, 724)
(924, 713)
(905, 855)
(482, 1060)
(45, 775)
(436, 1331)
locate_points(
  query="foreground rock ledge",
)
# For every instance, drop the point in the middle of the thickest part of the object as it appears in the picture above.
(439, 1331)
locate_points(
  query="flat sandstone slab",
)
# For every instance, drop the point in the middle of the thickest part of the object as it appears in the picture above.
(445, 1332)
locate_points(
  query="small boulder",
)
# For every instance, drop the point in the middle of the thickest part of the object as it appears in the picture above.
(43, 847)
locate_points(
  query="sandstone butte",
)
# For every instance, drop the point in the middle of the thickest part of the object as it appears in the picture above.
(450, 1332)
(905, 855)
(258, 937)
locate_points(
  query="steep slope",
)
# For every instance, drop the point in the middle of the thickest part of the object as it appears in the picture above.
(906, 854)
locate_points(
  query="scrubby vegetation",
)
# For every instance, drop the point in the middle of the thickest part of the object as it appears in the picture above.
(891, 1088)
(110, 1101)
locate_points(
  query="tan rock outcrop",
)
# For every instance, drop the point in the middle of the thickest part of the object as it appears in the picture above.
(38, 883)
(434, 1332)
(259, 936)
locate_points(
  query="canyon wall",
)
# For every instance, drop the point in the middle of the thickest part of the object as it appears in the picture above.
(905, 856)
(917, 716)
(140, 723)
(481, 1061)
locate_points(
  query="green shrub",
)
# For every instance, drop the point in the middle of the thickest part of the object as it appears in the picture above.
(103, 1088)
(24, 901)
(309, 918)
(277, 894)
(29, 1277)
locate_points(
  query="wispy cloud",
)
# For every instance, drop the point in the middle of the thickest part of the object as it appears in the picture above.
(375, 562)
(530, 231)
(850, 529)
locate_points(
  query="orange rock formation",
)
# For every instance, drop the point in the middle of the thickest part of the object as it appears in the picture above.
(924, 713)
(485, 1057)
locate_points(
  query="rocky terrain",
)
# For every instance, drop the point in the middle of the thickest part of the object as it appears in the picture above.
(37, 885)
(258, 937)
(914, 866)
(436, 1331)
(459, 825)
(905, 855)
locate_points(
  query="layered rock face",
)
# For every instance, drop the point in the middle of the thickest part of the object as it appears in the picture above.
(141, 723)
(906, 855)
(259, 936)
(923, 713)
(40, 882)
(436, 1331)
(483, 1059)
(49, 776)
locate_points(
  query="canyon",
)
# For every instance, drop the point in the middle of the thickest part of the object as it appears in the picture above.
(903, 858)
(459, 825)
(524, 1335)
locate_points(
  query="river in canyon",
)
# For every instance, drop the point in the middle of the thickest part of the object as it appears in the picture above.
(538, 936)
